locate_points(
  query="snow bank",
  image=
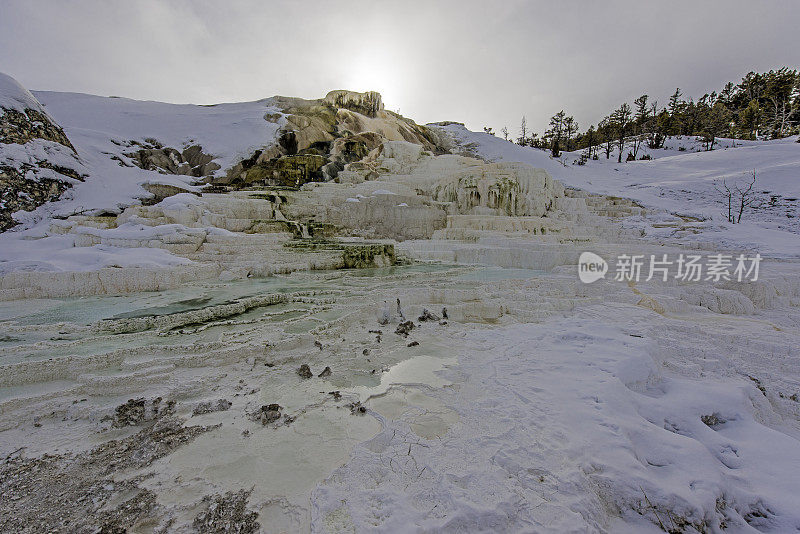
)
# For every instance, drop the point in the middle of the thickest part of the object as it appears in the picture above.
(14, 96)
(59, 253)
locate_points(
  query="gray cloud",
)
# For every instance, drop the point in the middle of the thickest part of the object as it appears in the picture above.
(484, 63)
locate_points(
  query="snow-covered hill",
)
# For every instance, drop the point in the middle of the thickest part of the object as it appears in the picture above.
(682, 184)
(106, 131)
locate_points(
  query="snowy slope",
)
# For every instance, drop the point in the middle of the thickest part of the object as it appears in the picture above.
(683, 183)
(104, 131)
(98, 126)
(672, 146)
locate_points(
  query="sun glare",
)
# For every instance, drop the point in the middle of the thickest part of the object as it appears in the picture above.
(377, 73)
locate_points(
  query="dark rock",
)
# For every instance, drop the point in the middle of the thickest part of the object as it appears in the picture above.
(336, 395)
(356, 408)
(758, 384)
(209, 407)
(19, 192)
(404, 328)
(120, 518)
(363, 255)
(268, 413)
(428, 316)
(17, 127)
(444, 313)
(202, 408)
(227, 514)
(291, 170)
(136, 412)
(287, 141)
(413, 344)
(712, 420)
(190, 162)
(325, 372)
(305, 371)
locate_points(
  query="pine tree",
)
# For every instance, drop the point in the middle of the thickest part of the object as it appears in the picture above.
(606, 129)
(715, 123)
(570, 129)
(751, 87)
(750, 119)
(663, 122)
(779, 87)
(761, 105)
(642, 110)
(676, 107)
(675, 102)
(727, 94)
(622, 119)
(556, 132)
(589, 140)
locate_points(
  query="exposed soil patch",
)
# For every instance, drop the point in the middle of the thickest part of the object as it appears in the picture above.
(88, 492)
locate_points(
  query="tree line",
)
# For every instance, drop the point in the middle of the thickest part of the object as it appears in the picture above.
(762, 106)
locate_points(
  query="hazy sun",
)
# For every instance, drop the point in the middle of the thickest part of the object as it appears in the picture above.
(376, 72)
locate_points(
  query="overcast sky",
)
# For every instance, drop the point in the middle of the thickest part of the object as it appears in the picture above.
(478, 62)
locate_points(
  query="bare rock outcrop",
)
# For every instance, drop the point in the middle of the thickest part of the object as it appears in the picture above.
(191, 161)
(368, 103)
(37, 160)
